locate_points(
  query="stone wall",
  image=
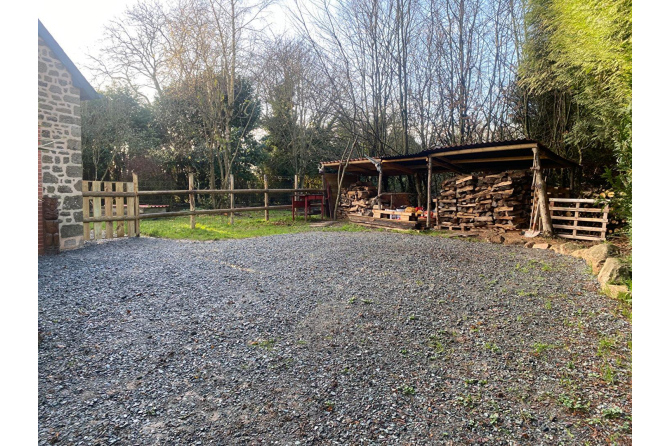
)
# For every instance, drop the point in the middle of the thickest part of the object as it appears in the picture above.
(59, 120)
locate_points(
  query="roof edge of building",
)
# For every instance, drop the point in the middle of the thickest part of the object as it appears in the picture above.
(86, 91)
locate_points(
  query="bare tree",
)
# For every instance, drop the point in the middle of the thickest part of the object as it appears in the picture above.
(210, 57)
(299, 100)
(134, 50)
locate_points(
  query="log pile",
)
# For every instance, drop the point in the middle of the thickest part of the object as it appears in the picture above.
(358, 199)
(500, 201)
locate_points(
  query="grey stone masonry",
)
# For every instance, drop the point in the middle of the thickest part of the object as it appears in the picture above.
(59, 121)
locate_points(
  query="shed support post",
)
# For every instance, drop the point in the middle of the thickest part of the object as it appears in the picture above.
(428, 197)
(541, 190)
(379, 187)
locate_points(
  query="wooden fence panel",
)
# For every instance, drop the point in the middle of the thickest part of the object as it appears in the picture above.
(100, 199)
(578, 219)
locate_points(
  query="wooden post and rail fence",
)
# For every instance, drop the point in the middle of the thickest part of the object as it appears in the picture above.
(117, 203)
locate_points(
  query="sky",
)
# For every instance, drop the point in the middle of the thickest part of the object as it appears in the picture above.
(78, 25)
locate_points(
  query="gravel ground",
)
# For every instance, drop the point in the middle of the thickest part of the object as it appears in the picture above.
(328, 338)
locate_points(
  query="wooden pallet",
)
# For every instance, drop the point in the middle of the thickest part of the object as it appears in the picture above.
(394, 215)
(578, 218)
(385, 223)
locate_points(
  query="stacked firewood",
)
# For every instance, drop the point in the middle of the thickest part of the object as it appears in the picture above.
(358, 199)
(502, 201)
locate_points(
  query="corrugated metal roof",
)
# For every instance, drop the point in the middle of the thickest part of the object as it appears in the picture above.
(512, 155)
(350, 161)
(479, 145)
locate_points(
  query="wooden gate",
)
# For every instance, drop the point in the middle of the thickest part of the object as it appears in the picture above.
(112, 204)
(578, 218)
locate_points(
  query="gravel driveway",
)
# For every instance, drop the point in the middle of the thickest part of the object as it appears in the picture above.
(328, 338)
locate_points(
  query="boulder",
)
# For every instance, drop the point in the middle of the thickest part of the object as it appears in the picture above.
(568, 248)
(514, 241)
(579, 253)
(595, 256)
(613, 270)
(497, 239)
(614, 291)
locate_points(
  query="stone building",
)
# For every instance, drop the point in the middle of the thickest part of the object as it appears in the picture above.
(61, 88)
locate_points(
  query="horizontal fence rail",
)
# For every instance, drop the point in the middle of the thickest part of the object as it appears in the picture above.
(579, 218)
(117, 204)
(146, 193)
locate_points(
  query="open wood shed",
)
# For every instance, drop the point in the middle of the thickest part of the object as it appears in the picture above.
(487, 158)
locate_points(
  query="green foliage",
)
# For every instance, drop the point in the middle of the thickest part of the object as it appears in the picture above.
(574, 403)
(408, 390)
(575, 87)
(115, 128)
(195, 138)
(299, 129)
(540, 347)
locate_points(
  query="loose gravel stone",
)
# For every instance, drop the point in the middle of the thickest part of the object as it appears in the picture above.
(328, 338)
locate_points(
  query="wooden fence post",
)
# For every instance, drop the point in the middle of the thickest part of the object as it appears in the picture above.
(109, 225)
(232, 199)
(97, 210)
(137, 205)
(191, 198)
(267, 198)
(130, 210)
(120, 211)
(86, 211)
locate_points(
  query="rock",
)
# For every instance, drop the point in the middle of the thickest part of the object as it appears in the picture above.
(529, 244)
(541, 246)
(579, 253)
(568, 248)
(613, 270)
(497, 239)
(595, 256)
(614, 291)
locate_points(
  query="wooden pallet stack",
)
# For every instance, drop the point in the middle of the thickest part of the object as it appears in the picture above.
(493, 201)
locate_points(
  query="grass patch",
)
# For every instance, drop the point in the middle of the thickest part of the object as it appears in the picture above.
(532, 264)
(408, 390)
(247, 224)
(540, 348)
(574, 403)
